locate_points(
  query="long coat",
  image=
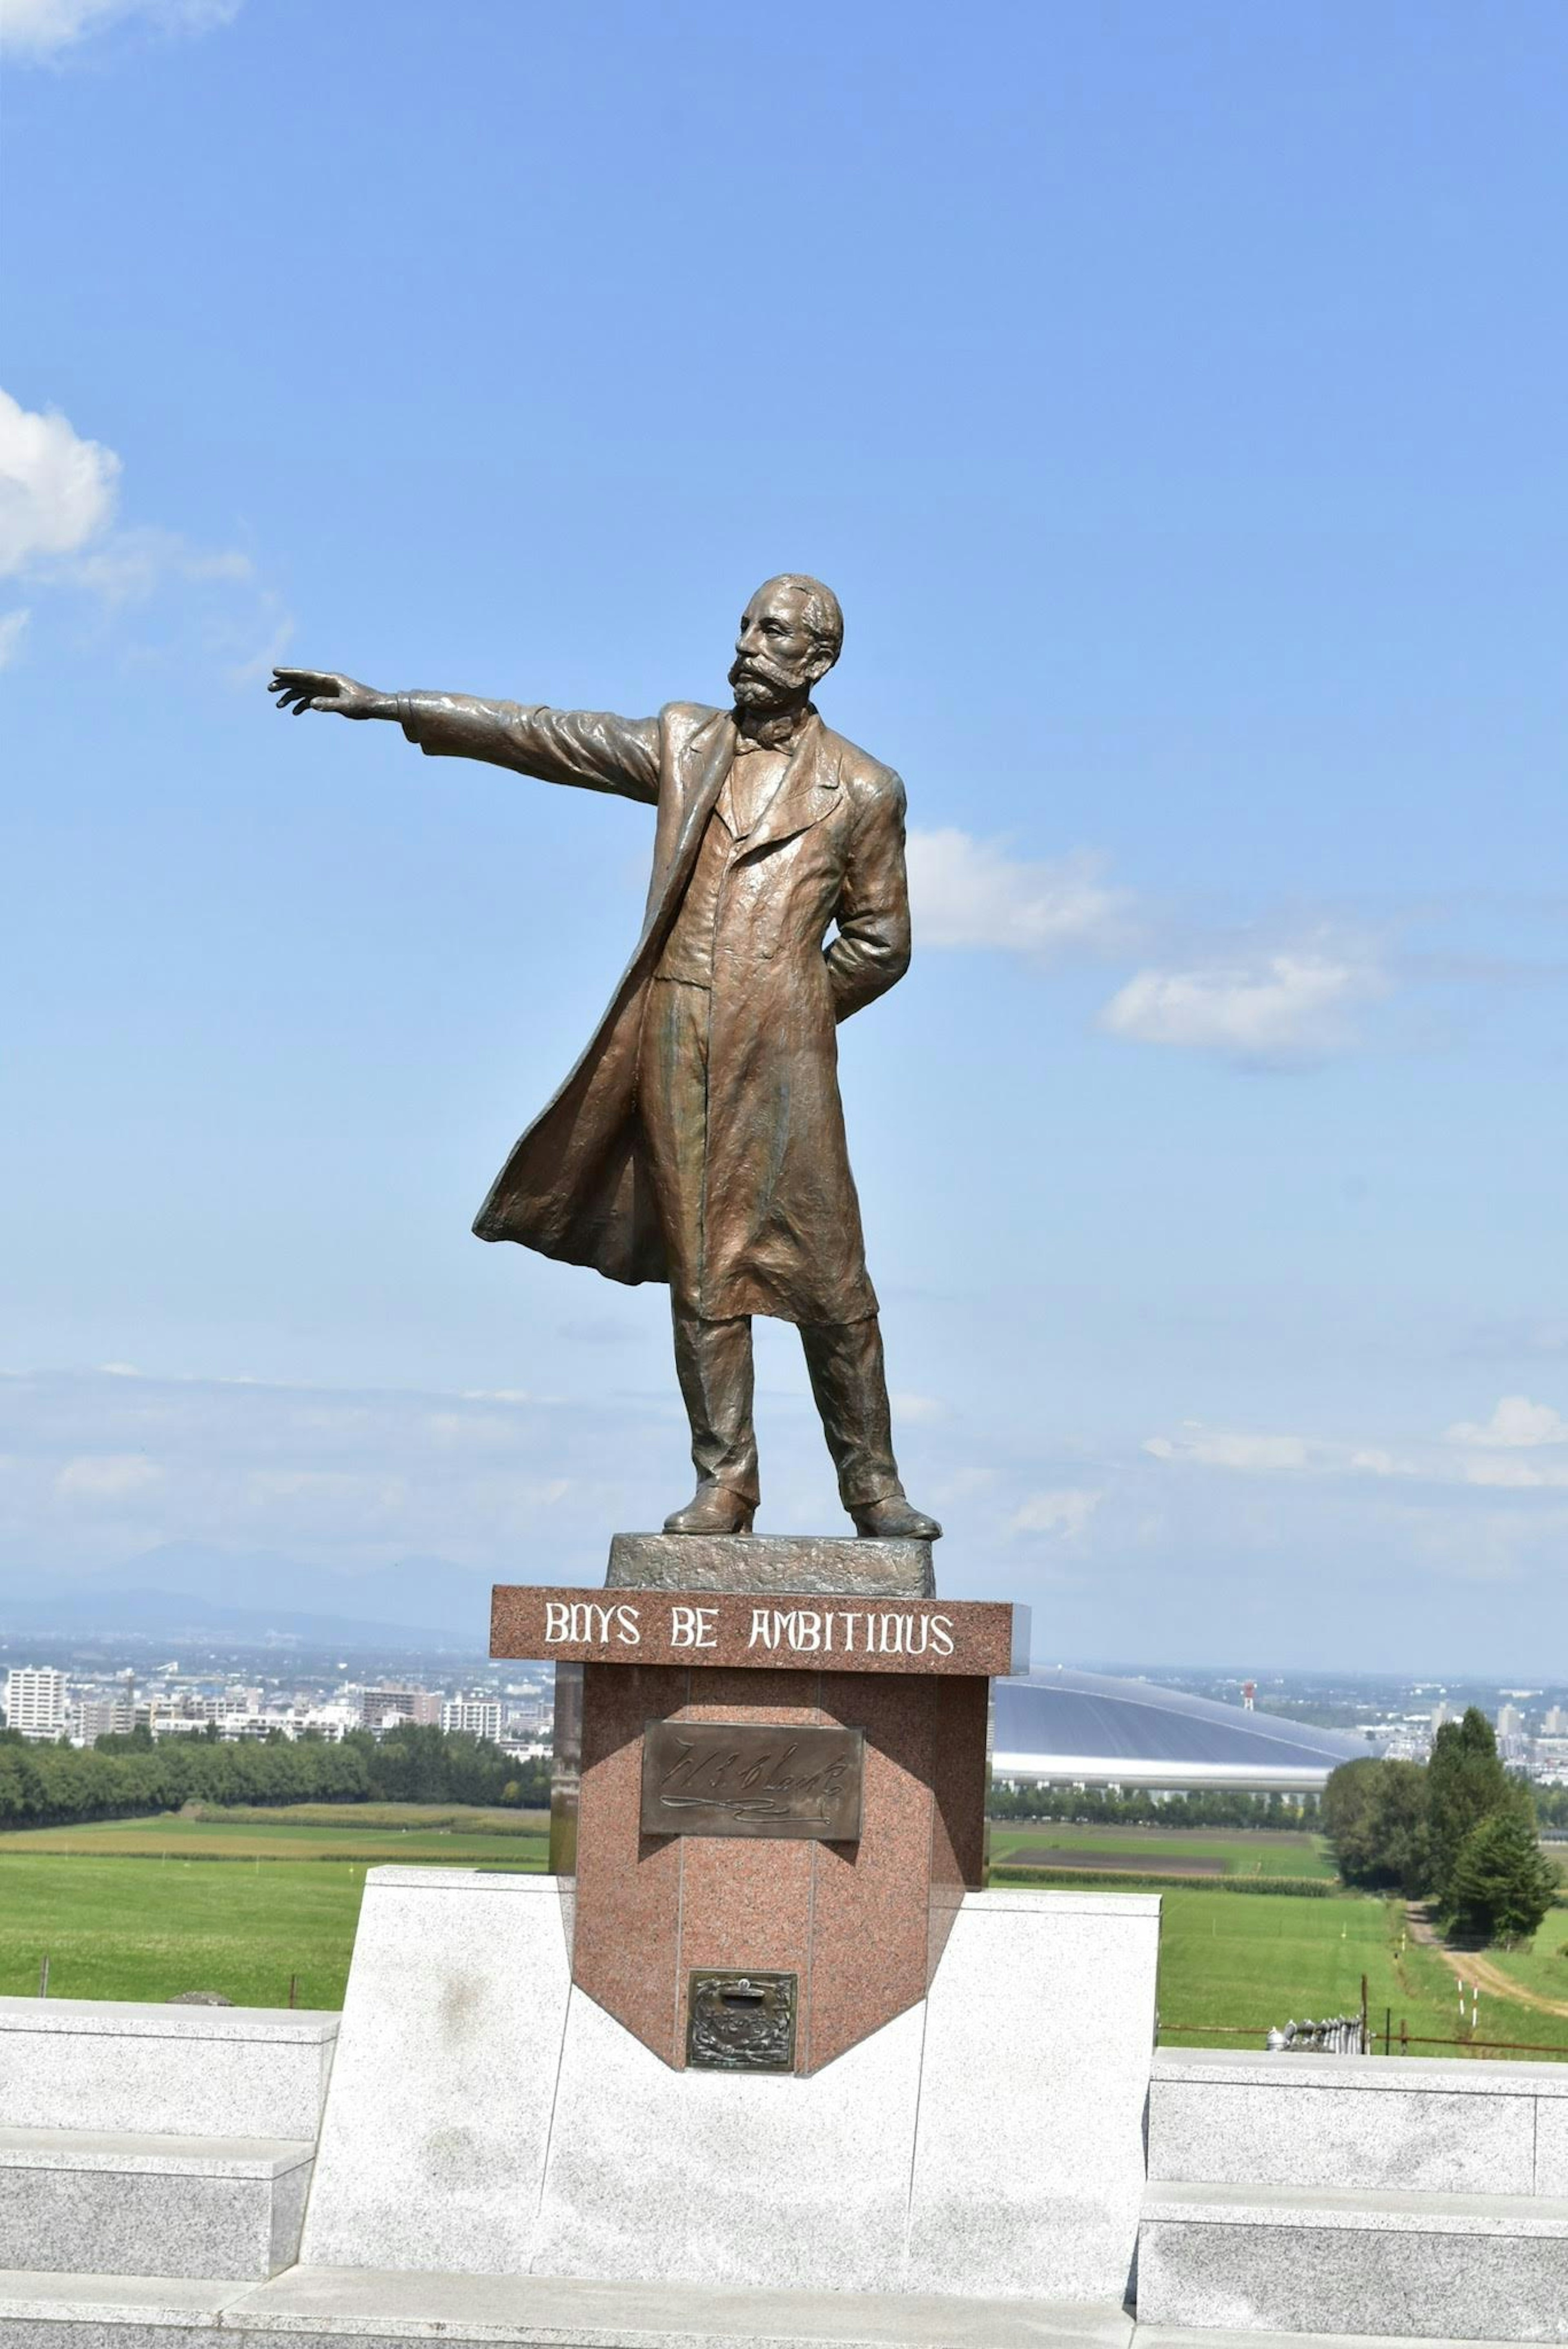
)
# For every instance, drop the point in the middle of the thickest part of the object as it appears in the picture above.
(782, 1218)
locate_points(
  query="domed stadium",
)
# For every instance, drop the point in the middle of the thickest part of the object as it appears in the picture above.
(1087, 1729)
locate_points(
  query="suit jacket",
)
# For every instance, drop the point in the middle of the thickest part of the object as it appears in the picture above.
(782, 1219)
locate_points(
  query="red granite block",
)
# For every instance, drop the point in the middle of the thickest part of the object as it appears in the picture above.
(960, 1716)
(626, 1944)
(859, 1924)
(869, 1915)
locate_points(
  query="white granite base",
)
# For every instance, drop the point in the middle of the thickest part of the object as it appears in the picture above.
(1029, 2161)
(485, 2118)
(79, 2200)
(184, 2071)
(657, 2175)
(1300, 2260)
(1373, 2122)
(433, 2141)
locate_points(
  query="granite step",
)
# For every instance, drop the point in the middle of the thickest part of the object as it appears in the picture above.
(188, 2071)
(106, 2202)
(66, 2312)
(1187, 2336)
(1355, 2123)
(1302, 2260)
(313, 2307)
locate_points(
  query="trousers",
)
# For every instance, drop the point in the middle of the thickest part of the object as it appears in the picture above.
(849, 1384)
(714, 1357)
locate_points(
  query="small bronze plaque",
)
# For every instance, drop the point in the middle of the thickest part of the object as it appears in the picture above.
(740, 2023)
(746, 1778)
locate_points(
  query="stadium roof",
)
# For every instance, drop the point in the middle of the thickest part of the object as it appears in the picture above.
(1087, 1729)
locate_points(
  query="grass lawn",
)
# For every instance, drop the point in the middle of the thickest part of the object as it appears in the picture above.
(114, 1928)
(1233, 1961)
(1150, 1850)
(143, 1907)
(375, 1832)
(237, 1902)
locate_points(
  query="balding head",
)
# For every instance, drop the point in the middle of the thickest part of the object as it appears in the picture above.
(791, 634)
(819, 610)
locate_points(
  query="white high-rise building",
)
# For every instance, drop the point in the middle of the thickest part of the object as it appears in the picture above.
(1509, 1721)
(36, 1701)
(479, 1715)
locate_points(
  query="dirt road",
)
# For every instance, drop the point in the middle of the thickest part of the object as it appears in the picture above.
(1473, 1967)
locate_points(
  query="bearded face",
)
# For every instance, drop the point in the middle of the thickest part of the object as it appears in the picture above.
(778, 659)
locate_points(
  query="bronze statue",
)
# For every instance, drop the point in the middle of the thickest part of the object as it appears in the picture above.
(699, 1139)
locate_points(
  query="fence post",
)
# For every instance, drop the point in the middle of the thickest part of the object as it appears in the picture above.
(293, 1988)
(1404, 2036)
(1387, 2028)
(44, 1977)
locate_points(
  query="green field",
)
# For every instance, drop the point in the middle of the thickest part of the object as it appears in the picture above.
(238, 1902)
(1145, 1851)
(375, 1832)
(1541, 1969)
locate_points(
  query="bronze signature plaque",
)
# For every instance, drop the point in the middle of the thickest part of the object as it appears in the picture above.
(748, 1778)
(741, 2022)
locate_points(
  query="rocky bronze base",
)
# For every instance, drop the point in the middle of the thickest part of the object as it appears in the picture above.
(773, 1565)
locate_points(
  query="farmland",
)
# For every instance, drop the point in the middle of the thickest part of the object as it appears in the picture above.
(239, 1901)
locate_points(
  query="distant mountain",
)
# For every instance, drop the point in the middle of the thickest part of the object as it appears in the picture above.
(182, 1587)
(160, 1614)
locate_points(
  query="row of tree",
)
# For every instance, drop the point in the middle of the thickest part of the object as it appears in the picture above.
(1108, 1806)
(125, 1777)
(1457, 1830)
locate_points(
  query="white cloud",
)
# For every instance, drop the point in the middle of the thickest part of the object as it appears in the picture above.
(132, 564)
(1065, 1512)
(1293, 1005)
(38, 28)
(1214, 1447)
(58, 495)
(969, 892)
(1506, 1471)
(1517, 1424)
(917, 1407)
(107, 1477)
(56, 490)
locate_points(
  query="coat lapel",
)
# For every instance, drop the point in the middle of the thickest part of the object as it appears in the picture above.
(807, 789)
(703, 764)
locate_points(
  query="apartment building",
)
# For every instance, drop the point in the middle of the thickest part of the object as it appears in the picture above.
(36, 1701)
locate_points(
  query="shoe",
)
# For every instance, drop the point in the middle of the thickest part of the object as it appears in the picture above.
(712, 1509)
(894, 1518)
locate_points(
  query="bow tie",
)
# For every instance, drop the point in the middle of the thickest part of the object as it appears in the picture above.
(773, 734)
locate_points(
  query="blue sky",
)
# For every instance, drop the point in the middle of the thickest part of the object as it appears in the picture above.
(1176, 398)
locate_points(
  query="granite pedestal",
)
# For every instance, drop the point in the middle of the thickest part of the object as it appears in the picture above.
(487, 2116)
(719, 1638)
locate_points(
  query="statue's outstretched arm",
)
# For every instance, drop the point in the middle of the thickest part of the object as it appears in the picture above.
(589, 748)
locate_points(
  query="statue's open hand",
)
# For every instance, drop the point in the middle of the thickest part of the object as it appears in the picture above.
(300, 690)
